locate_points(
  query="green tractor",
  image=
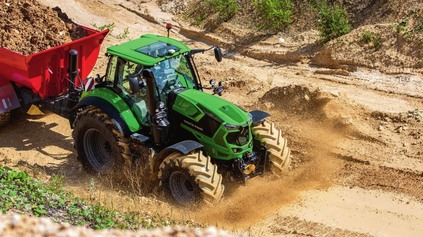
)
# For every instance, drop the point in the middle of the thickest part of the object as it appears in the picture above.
(150, 109)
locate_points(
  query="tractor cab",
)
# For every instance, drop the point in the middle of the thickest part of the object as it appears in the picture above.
(168, 60)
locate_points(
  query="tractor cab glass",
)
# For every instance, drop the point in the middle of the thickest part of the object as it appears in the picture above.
(126, 76)
(171, 74)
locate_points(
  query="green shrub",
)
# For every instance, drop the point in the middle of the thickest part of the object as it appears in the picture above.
(225, 9)
(276, 14)
(22, 194)
(411, 25)
(333, 21)
(369, 37)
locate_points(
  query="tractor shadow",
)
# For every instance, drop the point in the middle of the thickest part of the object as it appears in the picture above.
(42, 146)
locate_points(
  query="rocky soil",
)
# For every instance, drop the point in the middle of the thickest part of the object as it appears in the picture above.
(17, 225)
(28, 27)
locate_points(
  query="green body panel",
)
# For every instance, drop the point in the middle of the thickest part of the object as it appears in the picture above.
(116, 101)
(193, 104)
(217, 146)
(128, 50)
(223, 109)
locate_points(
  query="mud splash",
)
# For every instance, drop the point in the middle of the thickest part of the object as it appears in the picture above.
(316, 118)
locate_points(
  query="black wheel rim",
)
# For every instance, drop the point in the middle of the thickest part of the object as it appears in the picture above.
(182, 188)
(98, 150)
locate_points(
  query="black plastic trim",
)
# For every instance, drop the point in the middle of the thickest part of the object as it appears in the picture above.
(183, 147)
(259, 116)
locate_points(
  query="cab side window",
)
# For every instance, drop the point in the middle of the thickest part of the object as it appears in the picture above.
(111, 69)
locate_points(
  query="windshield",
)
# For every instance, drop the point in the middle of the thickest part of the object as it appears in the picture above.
(173, 73)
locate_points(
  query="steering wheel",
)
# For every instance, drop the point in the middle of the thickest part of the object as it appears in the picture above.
(171, 84)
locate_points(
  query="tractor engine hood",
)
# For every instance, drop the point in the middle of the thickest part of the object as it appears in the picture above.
(196, 105)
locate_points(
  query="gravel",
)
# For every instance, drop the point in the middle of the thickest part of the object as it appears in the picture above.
(23, 226)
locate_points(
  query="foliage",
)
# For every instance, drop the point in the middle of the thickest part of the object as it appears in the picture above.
(369, 37)
(225, 9)
(111, 27)
(20, 193)
(276, 14)
(124, 34)
(334, 20)
(411, 24)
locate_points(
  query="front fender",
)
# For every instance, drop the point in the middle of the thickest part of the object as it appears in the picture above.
(258, 116)
(184, 147)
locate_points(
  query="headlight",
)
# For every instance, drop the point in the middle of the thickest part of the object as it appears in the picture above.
(250, 119)
(231, 127)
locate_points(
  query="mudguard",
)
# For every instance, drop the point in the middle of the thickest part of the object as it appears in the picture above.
(258, 116)
(105, 106)
(183, 147)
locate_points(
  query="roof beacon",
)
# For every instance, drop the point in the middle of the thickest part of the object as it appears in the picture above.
(168, 27)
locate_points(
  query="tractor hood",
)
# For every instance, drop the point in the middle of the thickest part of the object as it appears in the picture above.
(196, 104)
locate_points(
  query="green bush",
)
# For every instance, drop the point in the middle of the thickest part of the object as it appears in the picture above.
(369, 37)
(334, 20)
(225, 9)
(22, 194)
(276, 14)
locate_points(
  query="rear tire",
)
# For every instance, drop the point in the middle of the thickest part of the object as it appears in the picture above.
(4, 118)
(277, 146)
(191, 179)
(100, 146)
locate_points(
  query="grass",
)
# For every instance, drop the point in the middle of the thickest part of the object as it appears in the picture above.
(111, 27)
(275, 14)
(371, 38)
(411, 25)
(225, 9)
(333, 20)
(20, 193)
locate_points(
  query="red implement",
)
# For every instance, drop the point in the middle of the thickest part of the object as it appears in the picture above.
(45, 72)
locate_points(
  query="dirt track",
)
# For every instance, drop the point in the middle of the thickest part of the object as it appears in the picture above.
(358, 152)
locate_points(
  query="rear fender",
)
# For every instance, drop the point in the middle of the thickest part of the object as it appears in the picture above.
(184, 147)
(122, 117)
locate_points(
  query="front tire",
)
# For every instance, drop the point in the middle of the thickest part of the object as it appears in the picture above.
(191, 179)
(100, 146)
(277, 146)
(4, 118)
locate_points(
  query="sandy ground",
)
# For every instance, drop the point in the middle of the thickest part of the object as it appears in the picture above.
(357, 150)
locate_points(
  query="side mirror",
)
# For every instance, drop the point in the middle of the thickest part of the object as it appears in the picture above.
(134, 85)
(218, 54)
(212, 82)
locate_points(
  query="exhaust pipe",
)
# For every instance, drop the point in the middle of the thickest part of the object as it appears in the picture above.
(73, 69)
(151, 84)
(159, 123)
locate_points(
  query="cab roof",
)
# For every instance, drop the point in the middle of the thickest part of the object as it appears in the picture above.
(149, 49)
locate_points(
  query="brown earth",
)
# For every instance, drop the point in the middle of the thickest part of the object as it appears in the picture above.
(355, 132)
(397, 25)
(28, 27)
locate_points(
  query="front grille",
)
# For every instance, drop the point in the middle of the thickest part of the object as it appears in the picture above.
(239, 138)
